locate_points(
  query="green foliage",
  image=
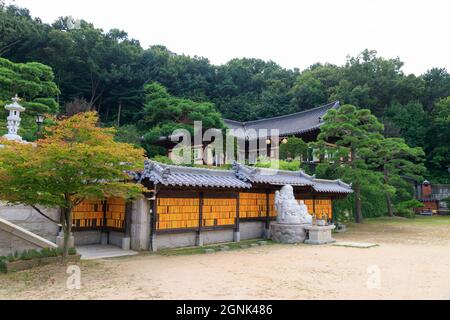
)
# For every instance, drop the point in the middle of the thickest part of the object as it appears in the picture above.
(33, 254)
(109, 70)
(293, 149)
(33, 82)
(408, 121)
(129, 134)
(162, 159)
(308, 91)
(280, 164)
(74, 161)
(163, 114)
(357, 134)
(439, 139)
(406, 208)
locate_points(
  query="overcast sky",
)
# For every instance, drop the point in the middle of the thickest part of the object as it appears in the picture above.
(291, 33)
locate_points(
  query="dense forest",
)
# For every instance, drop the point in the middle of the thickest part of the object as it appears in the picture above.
(112, 74)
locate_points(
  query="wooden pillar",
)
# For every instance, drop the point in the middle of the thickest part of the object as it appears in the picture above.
(332, 211)
(104, 236)
(199, 241)
(153, 221)
(127, 222)
(267, 225)
(237, 220)
(314, 205)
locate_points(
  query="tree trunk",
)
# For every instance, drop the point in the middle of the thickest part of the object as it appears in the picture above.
(118, 114)
(357, 189)
(358, 206)
(388, 197)
(66, 214)
(389, 206)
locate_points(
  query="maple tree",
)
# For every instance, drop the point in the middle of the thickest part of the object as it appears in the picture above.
(74, 161)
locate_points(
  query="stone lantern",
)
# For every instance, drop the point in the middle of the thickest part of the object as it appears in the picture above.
(14, 119)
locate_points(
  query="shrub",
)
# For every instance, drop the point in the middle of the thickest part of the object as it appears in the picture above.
(72, 251)
(50, 252)
(162, 159)
(406, 208)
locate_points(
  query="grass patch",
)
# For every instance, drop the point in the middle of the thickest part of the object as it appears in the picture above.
(215, 247)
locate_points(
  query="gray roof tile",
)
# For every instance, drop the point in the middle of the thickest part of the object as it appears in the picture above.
(170, 175)
(295, 123)
(240, 177)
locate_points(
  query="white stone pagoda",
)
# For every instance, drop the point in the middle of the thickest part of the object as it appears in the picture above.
(14, 119)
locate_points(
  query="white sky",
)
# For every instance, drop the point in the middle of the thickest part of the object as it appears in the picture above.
(291, 33)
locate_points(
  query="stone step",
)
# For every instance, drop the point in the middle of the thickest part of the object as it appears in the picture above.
(25, 235)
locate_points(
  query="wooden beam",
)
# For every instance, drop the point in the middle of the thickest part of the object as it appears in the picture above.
(200, 211)
(237, 219)
(267, 209)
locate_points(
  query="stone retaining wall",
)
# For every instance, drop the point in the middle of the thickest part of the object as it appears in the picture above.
(10, 243)
(29, 219)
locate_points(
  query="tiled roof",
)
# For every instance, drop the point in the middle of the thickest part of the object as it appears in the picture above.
(294, 178)
(240, 177)
(331, 186)
(170, 175)
(295, 123)
(271, 176)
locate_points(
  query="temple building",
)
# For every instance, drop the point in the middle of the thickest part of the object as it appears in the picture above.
(195, 206)
(185, 206)
(305, 125)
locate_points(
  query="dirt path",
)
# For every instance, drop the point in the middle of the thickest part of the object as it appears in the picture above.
(408, 264)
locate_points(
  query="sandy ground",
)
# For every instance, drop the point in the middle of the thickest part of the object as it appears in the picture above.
(412, 261)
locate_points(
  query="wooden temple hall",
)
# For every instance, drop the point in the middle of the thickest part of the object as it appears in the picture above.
(189, 206)
(305, 125)
(196, 206)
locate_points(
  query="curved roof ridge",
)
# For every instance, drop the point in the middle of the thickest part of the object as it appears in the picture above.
(187, 168)
(296, 172)
(330, 105)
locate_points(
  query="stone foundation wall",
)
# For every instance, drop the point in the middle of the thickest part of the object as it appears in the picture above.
(84, 238)
(252, 230)
(115, 238)
(176, 240)
(218, 236)
(248, 230)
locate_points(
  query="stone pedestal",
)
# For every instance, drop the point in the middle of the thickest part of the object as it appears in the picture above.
(60, 240)
(236, 236)
(267, 233)
(153, 243)
(199, 239)
(288, 233)
(319, 234)
(126, 243)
